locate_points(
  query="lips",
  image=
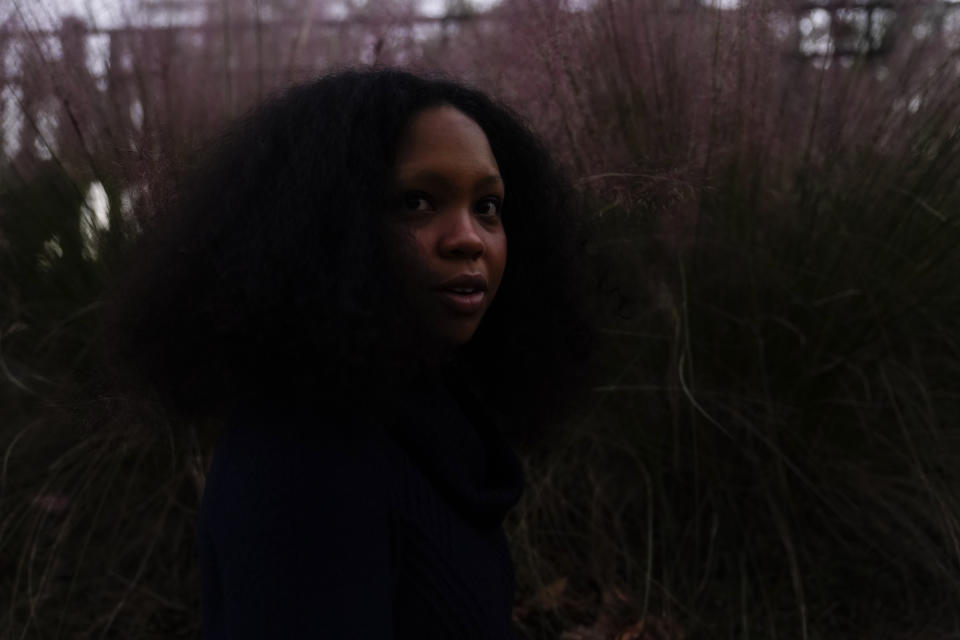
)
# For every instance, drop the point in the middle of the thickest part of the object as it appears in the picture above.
(464, 294)
(467, 282)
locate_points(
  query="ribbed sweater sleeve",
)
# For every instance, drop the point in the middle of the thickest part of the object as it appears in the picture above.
(299, 531)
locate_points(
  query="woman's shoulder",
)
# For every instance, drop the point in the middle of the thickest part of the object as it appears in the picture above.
(268, 460)
(294, 517)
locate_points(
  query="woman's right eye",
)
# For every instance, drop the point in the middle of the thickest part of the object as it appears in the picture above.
(415, 202)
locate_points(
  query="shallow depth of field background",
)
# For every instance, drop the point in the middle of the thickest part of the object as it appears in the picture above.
(770, 447)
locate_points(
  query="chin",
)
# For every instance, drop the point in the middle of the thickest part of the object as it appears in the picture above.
(455, 339)
(455, 342)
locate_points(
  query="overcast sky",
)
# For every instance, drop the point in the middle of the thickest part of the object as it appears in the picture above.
(46, 13)
(112, 13)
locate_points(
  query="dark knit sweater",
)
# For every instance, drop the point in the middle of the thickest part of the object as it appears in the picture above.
(308, 530)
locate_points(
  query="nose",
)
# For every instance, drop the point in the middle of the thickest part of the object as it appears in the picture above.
(461, 237)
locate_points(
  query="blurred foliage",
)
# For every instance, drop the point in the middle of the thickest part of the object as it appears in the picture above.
(49, 286)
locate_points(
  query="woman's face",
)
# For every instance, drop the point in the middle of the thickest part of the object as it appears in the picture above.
(448, 195)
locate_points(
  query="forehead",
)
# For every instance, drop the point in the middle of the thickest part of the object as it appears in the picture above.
(444, 139)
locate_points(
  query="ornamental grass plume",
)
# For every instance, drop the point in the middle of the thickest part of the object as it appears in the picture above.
(773, 450)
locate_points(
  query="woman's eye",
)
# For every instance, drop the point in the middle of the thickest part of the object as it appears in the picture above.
(489, 207)
(415, 202)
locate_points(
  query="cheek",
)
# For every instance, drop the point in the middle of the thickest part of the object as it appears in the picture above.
(413, 256)
(499, 255)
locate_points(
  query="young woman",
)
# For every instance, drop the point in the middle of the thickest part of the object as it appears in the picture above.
(376, 281)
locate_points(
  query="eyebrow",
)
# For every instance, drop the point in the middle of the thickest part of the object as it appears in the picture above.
(438, 178)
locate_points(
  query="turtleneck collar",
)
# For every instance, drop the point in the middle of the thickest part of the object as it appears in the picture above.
(458, 445)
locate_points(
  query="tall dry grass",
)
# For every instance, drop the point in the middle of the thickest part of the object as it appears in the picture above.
(771, 449)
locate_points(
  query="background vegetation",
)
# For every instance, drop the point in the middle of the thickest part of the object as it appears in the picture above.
(771, 446)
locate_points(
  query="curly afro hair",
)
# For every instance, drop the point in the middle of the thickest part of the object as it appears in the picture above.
(269, 274)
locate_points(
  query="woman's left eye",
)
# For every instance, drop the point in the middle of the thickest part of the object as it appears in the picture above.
(489, 207)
